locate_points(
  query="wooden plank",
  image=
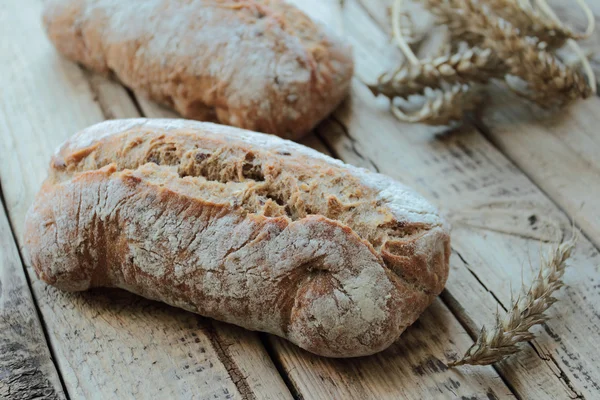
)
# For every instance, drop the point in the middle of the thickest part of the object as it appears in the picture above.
(108, 343)
(412, 368)
(326, 12)
(491, 204)
(26, 367)
(558, 151)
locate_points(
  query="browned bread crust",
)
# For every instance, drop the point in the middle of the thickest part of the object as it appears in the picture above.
(239, 226)
(256, 64)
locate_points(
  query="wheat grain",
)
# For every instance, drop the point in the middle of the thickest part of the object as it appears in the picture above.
(550, 81)
(457, 27)
(529, 310)
(441, 107)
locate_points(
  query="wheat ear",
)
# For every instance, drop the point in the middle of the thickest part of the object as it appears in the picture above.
(528, 310)
(466, 66)
(532, 22)
(540, 69)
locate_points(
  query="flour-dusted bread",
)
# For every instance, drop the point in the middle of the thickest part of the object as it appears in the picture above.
(256, 64)
(239, 226)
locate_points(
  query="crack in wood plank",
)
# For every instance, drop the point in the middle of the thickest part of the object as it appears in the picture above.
(232, 368)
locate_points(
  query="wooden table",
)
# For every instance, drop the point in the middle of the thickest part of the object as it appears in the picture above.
(509, 182)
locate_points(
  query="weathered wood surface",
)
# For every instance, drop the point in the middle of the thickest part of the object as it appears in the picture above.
(558, 151)
(491, 204)
(113, 344)
(108, 344)
(26, 367)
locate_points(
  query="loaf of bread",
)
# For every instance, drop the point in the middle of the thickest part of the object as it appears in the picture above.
(242, 227)
(256, 64)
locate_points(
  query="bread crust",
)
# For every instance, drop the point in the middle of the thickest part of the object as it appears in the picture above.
(258, 64)
(242, 227)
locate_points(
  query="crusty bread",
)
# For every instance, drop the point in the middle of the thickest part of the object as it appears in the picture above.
(256, 64)
(239, 226)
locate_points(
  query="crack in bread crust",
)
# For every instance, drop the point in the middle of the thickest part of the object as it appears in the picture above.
(241, 227)
(262, 182)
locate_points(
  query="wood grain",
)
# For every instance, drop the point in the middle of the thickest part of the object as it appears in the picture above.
(490, 203)
(26, 367)
(111, 344)
(558, 151)
(412, 368)
(108, 343)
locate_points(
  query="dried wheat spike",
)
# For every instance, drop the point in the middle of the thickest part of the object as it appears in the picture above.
(466, 66)
(540, 69)
(567, 86)
(441, 107)
(550, 81)
(531, 22)
(529, 310)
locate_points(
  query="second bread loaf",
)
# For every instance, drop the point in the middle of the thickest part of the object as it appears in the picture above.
(257, 64)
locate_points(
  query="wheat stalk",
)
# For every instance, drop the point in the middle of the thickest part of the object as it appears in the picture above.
(527, 311)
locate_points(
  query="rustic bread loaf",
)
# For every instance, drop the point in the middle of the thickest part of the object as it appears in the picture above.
(239, 226)
(256, 64)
